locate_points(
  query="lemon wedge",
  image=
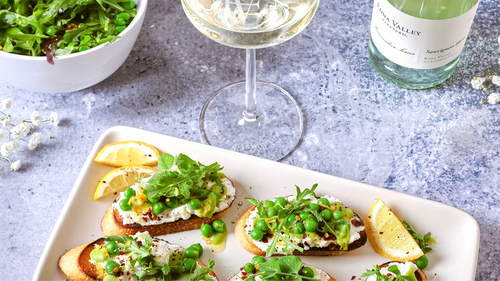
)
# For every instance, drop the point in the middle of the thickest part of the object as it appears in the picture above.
(120, 179)
(128, 153)
(389, 236)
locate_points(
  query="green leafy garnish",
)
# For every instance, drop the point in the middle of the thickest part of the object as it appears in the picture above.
(204, 272)
(287, 267)
(422, 240)
(184, 181)
(396, 274)
(280, 228)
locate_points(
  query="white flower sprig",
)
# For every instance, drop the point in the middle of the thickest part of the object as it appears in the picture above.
(19, 129)
(487, 76)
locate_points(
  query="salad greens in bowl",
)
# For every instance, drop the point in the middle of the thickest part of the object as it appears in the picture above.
(56, 46)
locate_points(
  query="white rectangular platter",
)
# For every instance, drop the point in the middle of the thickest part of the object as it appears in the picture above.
(454, 257)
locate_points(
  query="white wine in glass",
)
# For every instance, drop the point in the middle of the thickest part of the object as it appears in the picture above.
(251, 117)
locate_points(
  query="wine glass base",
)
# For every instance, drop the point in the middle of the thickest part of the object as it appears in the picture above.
(275, 133)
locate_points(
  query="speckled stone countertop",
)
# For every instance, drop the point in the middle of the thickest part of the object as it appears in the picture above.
(439, 144)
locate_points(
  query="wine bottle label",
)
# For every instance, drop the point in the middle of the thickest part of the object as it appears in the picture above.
(418, 43)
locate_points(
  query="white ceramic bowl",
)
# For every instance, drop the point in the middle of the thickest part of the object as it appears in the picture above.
(75, 71)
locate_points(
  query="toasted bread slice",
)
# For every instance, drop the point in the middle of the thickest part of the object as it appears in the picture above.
(76, 265)
(112, 224)
(242, 275)
(247, 242)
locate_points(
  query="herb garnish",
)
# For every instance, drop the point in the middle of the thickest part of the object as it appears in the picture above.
(287, 267)
(422, 240)
(141, 254)
(279, 225)
(181, 182)
(381, 277)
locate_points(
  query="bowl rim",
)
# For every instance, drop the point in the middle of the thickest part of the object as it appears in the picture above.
(140, 13)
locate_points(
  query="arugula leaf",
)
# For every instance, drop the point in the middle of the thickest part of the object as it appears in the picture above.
(204, 272)
(381, 277)
(422, 240)
(170, 184)
(287, 267)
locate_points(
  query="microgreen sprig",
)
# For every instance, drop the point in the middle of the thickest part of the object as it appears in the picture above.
(396, 274)
(422, 240)
(287, 267)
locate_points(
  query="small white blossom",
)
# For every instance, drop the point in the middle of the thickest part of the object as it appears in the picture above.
(6, 104)
(15, 166)
(494, 98)
(5, 121)
(1, 134)
(9, 147)
(16, 133)
(35, 139)
(36, 118)
(54, 118)
(495, 79)
(477, 82)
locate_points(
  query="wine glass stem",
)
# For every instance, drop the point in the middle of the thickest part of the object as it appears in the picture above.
(250, 112)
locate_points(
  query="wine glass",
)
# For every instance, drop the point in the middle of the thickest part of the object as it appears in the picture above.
(252, 117)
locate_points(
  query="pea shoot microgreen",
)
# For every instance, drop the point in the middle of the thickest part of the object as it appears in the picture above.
(287, 267)
(180, 182)
(142, 256)
(422, 240)
(280, 226)
(395, 276)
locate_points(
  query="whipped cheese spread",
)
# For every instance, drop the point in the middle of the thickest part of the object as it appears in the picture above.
(318, 274)
(181, 212)
(403, 268)
(308, 241)
(161, 250)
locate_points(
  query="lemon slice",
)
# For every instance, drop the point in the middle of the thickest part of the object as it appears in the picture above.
(389, 236)
(119, 179)
(128, 153)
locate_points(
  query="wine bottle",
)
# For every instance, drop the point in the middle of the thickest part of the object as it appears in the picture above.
(416, 44)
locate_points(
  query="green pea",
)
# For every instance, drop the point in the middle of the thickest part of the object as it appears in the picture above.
(256, 234)
(195, 203)
(128, 5)
(422, 262)
(112, 267)
(207, 230)
(153, 200)
(124, 205)
(172, 202)
(326, 214)
(315, 207)
(120, 28)
(268, 204)
(198, 247)
(258, 260)
(159, 207)
(129, 192)
(201, 194)
(280, 203)
(249, 267)
(298, 228)
(51, 30)
(324, 202)
(307, 272)
(219, 225)
(311, 225)
(112, 248)
(304, 216)
(189, 264)
(271, 212)
(338, 215)
(192, 252)
(262, 225)
(125, 16)
(290, 220)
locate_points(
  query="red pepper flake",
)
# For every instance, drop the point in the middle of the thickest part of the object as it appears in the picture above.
(139, 243)
(354, 277)
(123, 253)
